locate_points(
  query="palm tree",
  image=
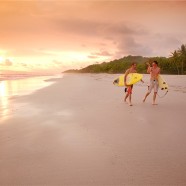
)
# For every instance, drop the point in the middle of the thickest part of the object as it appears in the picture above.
(175, 57)
(182, 53)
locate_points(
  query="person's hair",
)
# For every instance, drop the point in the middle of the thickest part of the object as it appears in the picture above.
(155, 62)
(134, 63)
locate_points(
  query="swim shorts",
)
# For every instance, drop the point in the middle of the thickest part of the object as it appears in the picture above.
(128, 89)
(153, 85)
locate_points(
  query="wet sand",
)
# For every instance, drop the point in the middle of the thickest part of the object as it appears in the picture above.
(78, 131)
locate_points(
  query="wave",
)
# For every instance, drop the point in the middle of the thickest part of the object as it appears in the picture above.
(4, 77)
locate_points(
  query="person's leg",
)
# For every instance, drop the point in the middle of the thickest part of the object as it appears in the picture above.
(127, 93)
(150, 87)
(130, 95)
(130, 98)
(155, 92)
(126, 96)
(154, 98)
(146, 96)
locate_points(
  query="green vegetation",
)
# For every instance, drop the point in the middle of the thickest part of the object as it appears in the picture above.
(175, 64)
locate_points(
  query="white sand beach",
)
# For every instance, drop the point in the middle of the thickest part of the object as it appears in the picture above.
(79, 131)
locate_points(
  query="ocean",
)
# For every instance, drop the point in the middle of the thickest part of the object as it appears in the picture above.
(12, 85)
(20, 84)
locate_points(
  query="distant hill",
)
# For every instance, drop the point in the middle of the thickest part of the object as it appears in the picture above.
(115, 66)
(175, 64)
(71, 71)
(118, 65)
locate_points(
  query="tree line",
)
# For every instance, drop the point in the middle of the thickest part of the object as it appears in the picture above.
(174, 64)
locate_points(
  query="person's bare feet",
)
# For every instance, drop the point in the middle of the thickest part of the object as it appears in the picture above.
(154, 104)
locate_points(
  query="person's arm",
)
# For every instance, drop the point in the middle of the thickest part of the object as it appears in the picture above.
(125, 77)
(148, 68)
(158, 73)
(142, 80)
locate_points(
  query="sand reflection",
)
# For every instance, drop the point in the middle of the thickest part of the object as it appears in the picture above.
(4, 102)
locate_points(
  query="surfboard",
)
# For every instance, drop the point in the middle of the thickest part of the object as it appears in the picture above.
(162, 83)
(132, 78)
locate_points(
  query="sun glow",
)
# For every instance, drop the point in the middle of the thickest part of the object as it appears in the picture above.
(2, 59)
(4, 102)
(77, 56)
(49, 61)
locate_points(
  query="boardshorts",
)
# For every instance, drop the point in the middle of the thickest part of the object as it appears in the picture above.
(128, 89)
(153, 85)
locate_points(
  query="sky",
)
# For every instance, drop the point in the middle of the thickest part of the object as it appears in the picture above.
(53, 36)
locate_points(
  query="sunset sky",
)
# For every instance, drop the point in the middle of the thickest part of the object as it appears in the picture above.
(52, 36)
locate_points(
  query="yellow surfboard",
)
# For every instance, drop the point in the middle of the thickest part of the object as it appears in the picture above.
(162, 83)
(132, 78)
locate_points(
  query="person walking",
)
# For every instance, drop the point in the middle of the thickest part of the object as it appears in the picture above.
(129, 88)
(154, 71)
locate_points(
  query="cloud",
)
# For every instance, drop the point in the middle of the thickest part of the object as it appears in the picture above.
(7, 62)
(24, 65)
(167, 40)
(93, 57)
(97, 28)
(101, 53)
(130, 45)
(79, 26)
(57, 62)
(25, 52)
(40, 31)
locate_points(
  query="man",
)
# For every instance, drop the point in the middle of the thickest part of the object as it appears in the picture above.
(154, 72)
(132, 69)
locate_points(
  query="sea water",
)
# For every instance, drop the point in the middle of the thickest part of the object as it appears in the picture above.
(18, 85)
(12, 85)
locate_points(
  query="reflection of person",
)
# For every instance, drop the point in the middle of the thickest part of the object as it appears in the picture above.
(154, 72)
(128, 88)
